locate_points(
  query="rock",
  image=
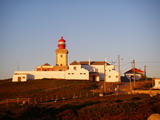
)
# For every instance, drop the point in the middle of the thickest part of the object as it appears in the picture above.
(154, 117)
(100, 94)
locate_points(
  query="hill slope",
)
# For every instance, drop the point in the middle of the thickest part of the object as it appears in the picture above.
(110, 107)
(44, 87)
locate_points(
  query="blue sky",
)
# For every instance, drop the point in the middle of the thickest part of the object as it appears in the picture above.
(95, 29)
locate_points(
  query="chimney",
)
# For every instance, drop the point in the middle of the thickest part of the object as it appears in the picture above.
(89, 61)
(105, 61)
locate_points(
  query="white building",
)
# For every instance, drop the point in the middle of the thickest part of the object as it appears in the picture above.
(72, 73)
(83, 70)
(96, 70)
(23, 76)
(77, 71)
(157, 83)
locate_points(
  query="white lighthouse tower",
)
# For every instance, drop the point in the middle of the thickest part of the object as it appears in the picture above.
(61, 56)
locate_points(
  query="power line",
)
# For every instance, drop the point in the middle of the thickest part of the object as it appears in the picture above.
(147, 61)
(151, 62)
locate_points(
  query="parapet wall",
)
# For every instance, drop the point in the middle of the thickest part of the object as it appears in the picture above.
(150, 92)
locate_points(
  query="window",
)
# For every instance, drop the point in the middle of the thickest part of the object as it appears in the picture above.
(72, 73)
(68, 73)
(109, 76)
(84, 73)
(81, 73)
(159, 82)
(116, 76)
(75, 68)
(23, 77)
(109, 70)
(61, 56)
(20, 73)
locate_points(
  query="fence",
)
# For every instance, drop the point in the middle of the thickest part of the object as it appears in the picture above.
(62, 97)
(46, 99)
(17, 101)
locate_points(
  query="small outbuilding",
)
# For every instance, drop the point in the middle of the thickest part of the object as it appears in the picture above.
(22, 77)
(139, 74)
(157, 83)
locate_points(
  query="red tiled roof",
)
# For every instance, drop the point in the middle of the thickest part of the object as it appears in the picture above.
(136, 71)
(87, 63)
(93, 63)
(46, 64)
(75, 63)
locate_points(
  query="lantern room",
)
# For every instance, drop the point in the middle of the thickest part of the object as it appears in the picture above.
(61, 43)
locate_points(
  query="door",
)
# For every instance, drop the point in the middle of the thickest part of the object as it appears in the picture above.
(94, 78)
(19, 79)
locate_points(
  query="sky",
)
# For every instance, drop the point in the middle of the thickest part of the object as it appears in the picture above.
(95, 29)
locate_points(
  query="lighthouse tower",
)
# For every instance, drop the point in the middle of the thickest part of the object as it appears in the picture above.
(61, 56)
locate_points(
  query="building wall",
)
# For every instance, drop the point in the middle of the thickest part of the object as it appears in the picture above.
(100, 70)
(60, 68)
(49, 74)
(71, 73)
(95, 68)
(19, 78)
(111, 74)
(62, 57)
(88, 67)
(94, 77)
(38, 75)
(44, 68)
(129, 75)
(75, 72)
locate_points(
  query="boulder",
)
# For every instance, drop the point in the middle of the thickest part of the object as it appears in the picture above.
(154, 117)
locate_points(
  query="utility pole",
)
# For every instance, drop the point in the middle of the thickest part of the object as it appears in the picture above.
(134, 69)
(130, 85)
(17, 66)
(152, 82)
(145, 72)
(119, 70)
(104, 84)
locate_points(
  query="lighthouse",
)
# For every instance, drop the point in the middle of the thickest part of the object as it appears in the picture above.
(61, 56)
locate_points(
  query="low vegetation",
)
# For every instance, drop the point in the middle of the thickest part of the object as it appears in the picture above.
(110, 107)
(43, 87)
(121, 107)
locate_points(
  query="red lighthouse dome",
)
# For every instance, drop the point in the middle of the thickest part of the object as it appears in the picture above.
(61, 43)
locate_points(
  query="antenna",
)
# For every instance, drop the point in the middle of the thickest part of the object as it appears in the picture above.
(145, 76)
(17, 66)
(105, 59)
(134, 73)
